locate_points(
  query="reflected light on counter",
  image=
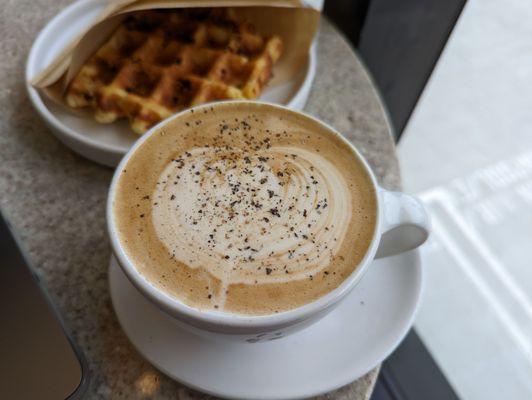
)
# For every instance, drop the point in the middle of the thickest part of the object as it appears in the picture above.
(147, 383)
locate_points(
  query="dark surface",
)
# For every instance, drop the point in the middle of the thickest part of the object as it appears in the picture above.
(348, 16)
(410, 373)
(38, 360)
(400, 42)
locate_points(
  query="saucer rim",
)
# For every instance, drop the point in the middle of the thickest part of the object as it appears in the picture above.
(332, 384)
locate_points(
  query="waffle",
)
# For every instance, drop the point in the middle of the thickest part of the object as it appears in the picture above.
(159, 62)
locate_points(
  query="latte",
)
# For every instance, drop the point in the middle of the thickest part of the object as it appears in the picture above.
(244, 208)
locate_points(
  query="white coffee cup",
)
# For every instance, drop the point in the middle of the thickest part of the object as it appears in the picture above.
(402, 224)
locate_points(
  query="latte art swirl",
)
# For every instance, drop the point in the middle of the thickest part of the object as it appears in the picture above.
(278, 215)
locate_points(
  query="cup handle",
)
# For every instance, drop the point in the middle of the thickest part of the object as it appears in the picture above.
(405, 223)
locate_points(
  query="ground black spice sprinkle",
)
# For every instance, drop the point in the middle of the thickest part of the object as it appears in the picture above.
(257, 184)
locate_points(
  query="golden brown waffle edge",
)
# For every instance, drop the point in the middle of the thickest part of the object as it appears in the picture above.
(157, 63)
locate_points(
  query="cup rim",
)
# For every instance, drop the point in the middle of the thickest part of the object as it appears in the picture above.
(175, 306)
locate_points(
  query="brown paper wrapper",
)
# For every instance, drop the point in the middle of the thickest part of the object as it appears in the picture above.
(295, 23)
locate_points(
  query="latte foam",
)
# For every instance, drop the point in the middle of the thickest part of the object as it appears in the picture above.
(244, 209)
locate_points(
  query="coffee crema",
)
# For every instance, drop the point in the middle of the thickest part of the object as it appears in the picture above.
(244, 208)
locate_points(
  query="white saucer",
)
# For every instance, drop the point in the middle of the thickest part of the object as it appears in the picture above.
(107, 143)
(354, 338)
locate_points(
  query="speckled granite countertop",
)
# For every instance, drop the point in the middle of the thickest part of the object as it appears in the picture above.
(55, 199)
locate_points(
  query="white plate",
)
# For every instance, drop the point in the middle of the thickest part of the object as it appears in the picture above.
(355, 337)
(107, 143)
